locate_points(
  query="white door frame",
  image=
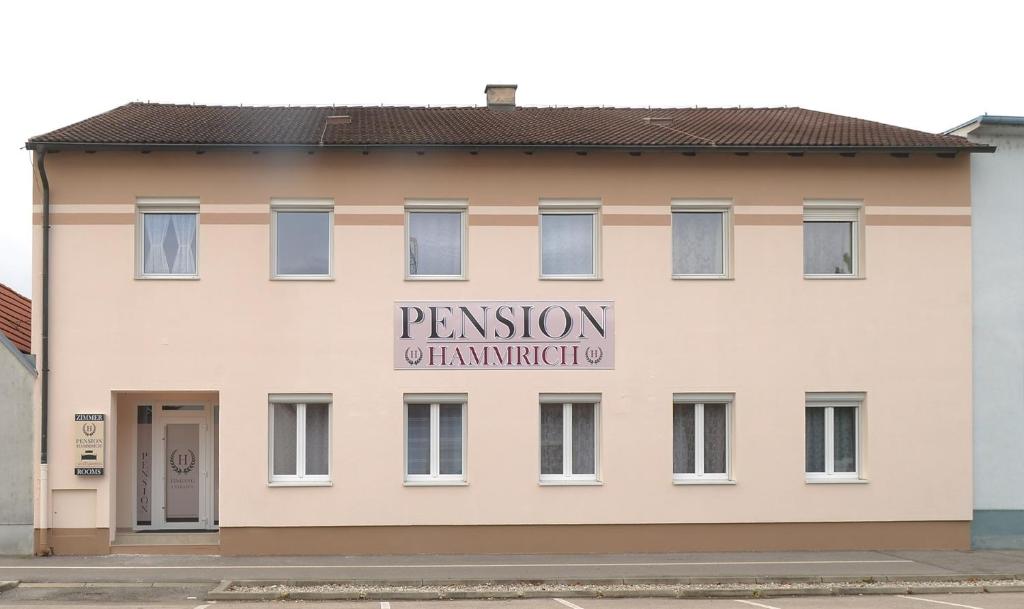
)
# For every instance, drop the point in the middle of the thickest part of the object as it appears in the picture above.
(161, 418)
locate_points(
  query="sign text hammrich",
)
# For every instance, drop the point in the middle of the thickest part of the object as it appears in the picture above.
(542, 334)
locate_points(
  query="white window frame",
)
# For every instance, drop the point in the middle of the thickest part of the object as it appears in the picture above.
(570, 207)
(162, 205)
(300, 478)
(838, 211)
(682, 206)
(567, 477)
(699, 400)
(301, 205)
(438, 206)
(830, 401)
(434, 478)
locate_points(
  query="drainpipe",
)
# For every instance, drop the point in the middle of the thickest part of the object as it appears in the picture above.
(44, 389)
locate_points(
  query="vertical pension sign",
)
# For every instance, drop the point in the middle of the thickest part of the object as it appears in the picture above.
(542, 334)
(90, 431)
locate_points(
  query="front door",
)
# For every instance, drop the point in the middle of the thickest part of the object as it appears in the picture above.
(182, 451)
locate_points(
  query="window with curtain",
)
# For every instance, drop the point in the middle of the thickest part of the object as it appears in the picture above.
(434, 243)
(568, 243)
(168, 244)
(300, 439)
(700, 439)
(435, 435)
(831, 236)
(568, 441)
(698, 243)
(831, 438)
(302, 242)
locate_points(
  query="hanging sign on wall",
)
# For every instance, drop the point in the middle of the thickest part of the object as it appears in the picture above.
(90, 431)
(545, 335)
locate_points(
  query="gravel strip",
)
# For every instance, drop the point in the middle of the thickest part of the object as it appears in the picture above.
(511, 588)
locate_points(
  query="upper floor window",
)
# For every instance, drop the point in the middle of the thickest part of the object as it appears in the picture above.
(166, 239)
(700, 240)
(832, 436)
(435, 240)
(301, 239)
(569, 433)
(569, 240)
(831, 240)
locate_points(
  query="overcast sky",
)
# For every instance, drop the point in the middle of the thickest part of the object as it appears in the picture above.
(925, 65)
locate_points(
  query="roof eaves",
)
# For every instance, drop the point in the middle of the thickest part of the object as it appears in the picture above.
(25, 360)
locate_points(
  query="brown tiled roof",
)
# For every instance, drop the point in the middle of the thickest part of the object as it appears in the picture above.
(16, 318)
(147, 124)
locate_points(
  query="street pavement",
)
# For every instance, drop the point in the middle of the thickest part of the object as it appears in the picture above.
(121, 568)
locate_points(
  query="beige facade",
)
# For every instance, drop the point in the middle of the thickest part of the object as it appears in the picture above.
(900, 334)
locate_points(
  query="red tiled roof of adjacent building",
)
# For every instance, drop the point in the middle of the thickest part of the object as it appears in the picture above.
(155, 125)
(16, 318)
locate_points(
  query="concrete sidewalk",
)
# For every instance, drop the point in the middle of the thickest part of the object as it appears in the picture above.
(701, 567)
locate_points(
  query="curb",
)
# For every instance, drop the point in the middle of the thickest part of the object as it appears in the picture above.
(7, 585)
(594, 588)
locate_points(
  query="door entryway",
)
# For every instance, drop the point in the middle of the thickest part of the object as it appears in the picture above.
(175, 466)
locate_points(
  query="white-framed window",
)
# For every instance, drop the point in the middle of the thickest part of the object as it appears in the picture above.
(435, 439)
(301, 239)
(435, 239)
(701, 232)
(300, 439)
(832, 239)
(569, 438)
(701, 437)
(167, 239)
(570, 239)
(832, 436)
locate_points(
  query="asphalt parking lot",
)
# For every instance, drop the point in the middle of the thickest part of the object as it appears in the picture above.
(189, 597)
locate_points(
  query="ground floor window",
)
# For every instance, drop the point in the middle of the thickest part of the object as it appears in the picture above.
(700, 437)
(569, 433)
(832, 436)
(435, 439)
(300, 435)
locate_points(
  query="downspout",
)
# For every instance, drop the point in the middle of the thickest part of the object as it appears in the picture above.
(44, 364)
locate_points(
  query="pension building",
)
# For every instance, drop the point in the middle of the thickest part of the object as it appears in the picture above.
(347, 330)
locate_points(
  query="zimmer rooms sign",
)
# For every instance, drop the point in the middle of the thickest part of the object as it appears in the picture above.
(539, 334)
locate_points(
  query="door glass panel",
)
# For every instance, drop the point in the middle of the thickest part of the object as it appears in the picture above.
(182, 472)
(144, 466)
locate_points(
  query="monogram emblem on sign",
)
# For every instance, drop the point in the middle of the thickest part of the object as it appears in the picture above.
(182, 461)
(414, 355)
(89, 429)
(594, 355)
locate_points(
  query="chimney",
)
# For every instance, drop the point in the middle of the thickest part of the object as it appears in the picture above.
(501, 97)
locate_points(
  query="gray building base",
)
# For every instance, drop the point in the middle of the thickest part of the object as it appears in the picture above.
(16, 539)
(998, 530)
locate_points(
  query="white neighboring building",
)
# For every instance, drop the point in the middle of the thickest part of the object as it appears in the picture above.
(17, 379)
(997, 192)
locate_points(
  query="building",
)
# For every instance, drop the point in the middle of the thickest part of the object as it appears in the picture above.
(17, 379)
(997, 193)
(504, 329)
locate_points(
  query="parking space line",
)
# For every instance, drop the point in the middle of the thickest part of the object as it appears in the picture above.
(928, 600)
(755, 604)
(567, 603)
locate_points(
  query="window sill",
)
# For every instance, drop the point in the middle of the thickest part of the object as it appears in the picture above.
(167, 277)
(570, 483)
(302, 278)
(283, 483)
(696, 482)
(834, 277)
(567, 278)
(435, 483)
(835, 481)
(702, 277)
(436, 278)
